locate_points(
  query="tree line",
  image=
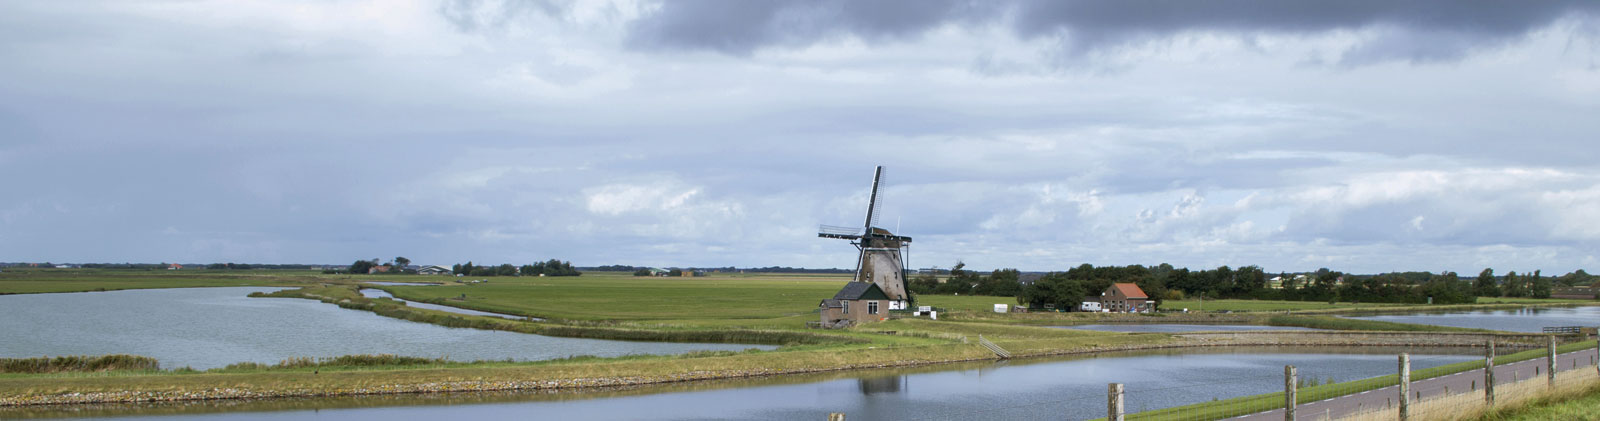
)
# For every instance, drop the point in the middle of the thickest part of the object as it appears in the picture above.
(550, 267)
(1065, 290)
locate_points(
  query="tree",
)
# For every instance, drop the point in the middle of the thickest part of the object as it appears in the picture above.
(1485, 285)
(361, 266)
(1540, 287)
(1000, 283)
(402, 262)
(640, 272)
(1514, 287)
(1055, 289)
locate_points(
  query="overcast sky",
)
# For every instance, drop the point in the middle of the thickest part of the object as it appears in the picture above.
(1362, 136)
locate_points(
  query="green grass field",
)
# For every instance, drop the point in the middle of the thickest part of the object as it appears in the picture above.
(622, 296)
(30, 281)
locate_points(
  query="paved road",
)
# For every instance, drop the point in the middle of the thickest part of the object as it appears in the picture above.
(1463, 382)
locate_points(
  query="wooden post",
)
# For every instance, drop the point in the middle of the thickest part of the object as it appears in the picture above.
(1488, 375)
(1550, 363)
(1114, 402)
(836, 416)
(1405, 387)
(1290, 388)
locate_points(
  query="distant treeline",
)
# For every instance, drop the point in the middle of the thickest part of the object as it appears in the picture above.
(726, 269)
(1164, 282)
(550, 267)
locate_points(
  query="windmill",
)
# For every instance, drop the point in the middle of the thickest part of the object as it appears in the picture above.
(881, 260)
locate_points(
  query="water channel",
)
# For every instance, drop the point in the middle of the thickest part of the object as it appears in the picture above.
(1175, 328)
(378, 293)
(213, 327)
(1520, 320)
(1072, 388)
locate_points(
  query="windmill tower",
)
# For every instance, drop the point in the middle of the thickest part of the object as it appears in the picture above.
(882, 259)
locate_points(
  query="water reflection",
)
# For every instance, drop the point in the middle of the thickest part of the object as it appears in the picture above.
(881, 385)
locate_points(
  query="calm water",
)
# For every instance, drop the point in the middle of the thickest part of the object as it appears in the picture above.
(1168, 328)
(1522, 320)
(1070, 388)
(213, 327)
(378, 293)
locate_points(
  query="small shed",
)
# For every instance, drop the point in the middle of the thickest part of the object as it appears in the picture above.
(857, 302)
(1125, 297)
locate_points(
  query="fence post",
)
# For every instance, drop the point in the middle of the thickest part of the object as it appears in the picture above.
(1290, 389)
(1550, 367)
(1114, 402)
(836, 416)
(1405, 387)
(1488, 376)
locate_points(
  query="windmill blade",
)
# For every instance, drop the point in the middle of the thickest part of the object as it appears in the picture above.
(834, 231)
(872, 201)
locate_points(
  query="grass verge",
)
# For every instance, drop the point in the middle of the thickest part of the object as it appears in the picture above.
(1266, 402)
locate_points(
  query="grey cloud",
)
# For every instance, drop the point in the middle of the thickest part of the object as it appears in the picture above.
(739, 27)
(1419, 30)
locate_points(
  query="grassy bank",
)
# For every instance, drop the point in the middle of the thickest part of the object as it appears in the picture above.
(1340, 323)
(35, 281)
(78, 363)
(1265, 402)
(347, 296)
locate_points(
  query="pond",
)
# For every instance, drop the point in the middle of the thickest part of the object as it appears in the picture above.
(1173, 328)
(378, 293)
(1072, 388)
(1532, 320)
(213, 327)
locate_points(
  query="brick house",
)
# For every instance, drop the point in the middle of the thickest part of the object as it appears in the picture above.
(857, 302)
(1125, 297)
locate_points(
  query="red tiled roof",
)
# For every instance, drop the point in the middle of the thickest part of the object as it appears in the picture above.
(1130, 290)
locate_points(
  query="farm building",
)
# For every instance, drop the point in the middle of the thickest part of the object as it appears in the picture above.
(857, 302)
(433, 270)
(1125, 297)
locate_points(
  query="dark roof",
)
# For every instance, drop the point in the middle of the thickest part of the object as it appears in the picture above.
(861, 291)
(831, 303)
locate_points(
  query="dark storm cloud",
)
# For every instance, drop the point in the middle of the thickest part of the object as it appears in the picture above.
(1423, 30)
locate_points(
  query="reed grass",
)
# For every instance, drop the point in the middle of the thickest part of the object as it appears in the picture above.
(78, 363)
(1340, 323)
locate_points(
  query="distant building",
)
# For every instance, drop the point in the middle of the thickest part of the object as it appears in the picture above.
(857, 302)
(379, 269)
(1125, 297)
(433, 270)
(174, 266)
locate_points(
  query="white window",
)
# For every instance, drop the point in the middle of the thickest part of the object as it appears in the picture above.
(846, 307)
(872, 307)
